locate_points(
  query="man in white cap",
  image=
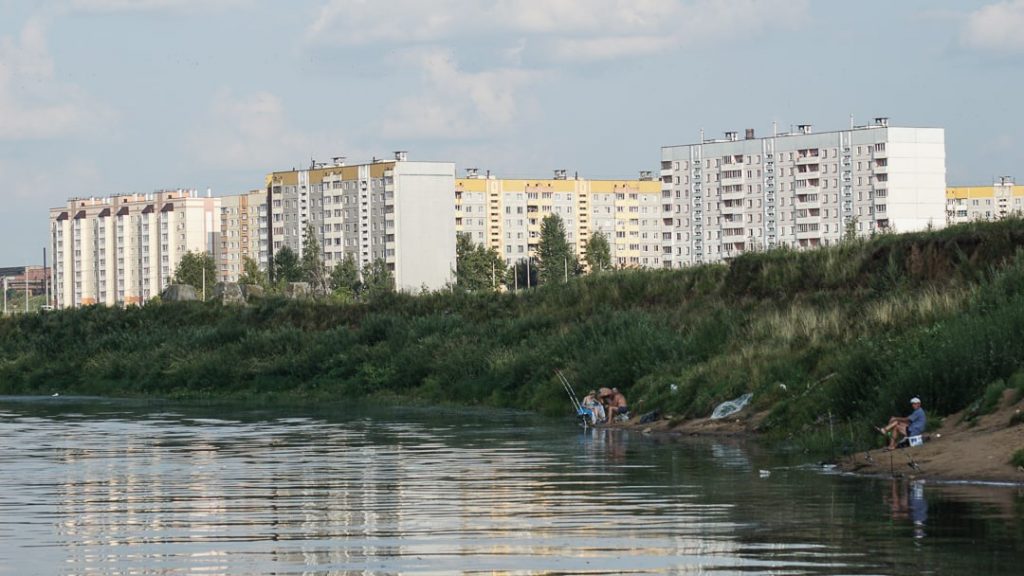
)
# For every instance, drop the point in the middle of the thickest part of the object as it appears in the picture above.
(908, 427)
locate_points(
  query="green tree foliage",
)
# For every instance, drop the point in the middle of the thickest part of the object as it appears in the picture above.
(808, 333)
(313, 270)
(251, 273)
(344, 279)
(286, 266)
(599, 254)
(477, 267)
(190, 271)
(377, 279)
(521, 275)
(555, 256)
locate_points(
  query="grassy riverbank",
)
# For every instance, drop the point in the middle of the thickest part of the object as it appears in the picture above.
(852, 331)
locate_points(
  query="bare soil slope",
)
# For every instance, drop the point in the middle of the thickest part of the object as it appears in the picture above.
(957, 451)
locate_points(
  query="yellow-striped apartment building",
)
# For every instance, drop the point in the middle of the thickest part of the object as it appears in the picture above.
(398, 211)
(969, 203)
(506, 214)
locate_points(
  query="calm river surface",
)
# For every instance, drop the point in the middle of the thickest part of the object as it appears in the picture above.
(105, 487)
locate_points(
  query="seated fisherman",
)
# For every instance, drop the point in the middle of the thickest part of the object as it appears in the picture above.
(909, 426)
(617, 405)
(591, 403)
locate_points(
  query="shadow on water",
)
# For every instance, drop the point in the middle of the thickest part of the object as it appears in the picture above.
(92, 485)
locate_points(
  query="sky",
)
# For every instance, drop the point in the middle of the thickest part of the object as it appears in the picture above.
(104, 97)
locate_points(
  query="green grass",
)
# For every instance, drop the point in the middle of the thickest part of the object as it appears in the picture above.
(853, 330)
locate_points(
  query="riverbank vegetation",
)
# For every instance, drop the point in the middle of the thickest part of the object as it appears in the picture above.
(838, 337)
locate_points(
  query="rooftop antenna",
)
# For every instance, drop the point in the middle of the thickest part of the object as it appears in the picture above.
(775, 128)
(851, 121)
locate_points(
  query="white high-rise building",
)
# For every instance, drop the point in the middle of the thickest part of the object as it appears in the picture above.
(123, 250)
(243, 234)
(397, 211)
(799, 189)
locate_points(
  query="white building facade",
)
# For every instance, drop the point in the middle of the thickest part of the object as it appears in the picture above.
(123, 250)
(801, 189)
(397, 211)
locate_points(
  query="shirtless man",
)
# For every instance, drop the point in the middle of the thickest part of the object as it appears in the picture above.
(616, 404)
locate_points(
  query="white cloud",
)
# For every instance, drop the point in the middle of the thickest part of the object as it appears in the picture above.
(570, 29)
(253, 132)
(454, 103)
(996, 27)
(33, 103)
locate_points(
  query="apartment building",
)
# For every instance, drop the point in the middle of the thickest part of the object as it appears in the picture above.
(397, 210)
(970, 203)
(506, 214)
(723, 197)
(243, 234)
(123, 250)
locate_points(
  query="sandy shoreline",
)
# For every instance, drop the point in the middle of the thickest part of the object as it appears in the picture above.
(956, 452)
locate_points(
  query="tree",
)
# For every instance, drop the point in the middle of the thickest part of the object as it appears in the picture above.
(599, 254)
(313, 270)
(190, 271)
(345, 278)
(251, 273)
(286, 266)
(477, 267)
(521, 275)
(556, 256)
(377, 279)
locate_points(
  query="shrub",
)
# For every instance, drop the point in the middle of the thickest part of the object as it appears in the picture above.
(1018, 458)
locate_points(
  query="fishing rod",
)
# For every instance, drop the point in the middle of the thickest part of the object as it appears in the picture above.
(580, 410)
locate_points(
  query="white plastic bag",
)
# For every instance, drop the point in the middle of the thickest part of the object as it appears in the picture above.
(728, 408)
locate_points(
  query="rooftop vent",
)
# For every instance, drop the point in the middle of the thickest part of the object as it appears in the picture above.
(750, 134)
(401, 155)
(472, 173)
(338, 160)
(882, 121)
(646, 176)
(732, 136)
(805, 128)
(560, 175)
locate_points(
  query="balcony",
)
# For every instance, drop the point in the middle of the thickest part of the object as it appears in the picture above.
(808, 199)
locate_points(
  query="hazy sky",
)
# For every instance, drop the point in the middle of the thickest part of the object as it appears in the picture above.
(101, 97)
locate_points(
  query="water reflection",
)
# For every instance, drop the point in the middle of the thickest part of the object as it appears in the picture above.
(195, 491)
(907, 503)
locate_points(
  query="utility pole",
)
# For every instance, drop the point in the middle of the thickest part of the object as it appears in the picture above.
(515, 276)
(493, 285)
(565, 259)
(5, 295)
(26, 289)
(204, 283)
(527, 272)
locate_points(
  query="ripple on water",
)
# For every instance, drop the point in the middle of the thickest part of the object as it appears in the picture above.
(174, 493)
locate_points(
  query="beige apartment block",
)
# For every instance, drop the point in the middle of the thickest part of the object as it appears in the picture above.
(398, 211)
(123, 250)
(243, 233)
(971, 203)
(506, 214)
(799, 189)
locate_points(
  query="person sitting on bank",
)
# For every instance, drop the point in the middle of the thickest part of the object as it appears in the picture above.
(617, 405)
(906, 427)
(591, 403)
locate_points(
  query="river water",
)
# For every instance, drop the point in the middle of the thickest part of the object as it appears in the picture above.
(105, 487)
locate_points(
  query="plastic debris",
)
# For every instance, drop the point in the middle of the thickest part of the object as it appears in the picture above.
(728, 408)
